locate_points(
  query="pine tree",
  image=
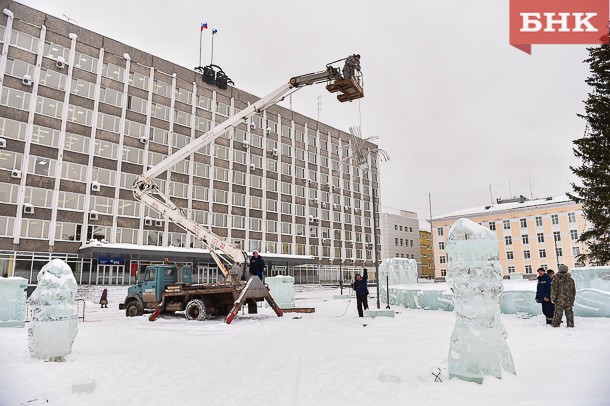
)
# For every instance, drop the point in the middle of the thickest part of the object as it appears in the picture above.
(593, 149)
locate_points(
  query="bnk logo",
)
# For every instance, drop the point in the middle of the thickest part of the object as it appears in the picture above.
(558, 22)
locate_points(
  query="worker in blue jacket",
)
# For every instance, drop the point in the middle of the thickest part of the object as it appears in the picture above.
(543, 294)
(257, 265)
(362, 292)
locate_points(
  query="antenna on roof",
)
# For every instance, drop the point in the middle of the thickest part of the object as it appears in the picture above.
(70, 20)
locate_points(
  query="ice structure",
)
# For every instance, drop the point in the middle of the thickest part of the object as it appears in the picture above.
(12, 301)
(478, 344)
(54, 314)
(402, 271)
(592, 291)
(282, 290)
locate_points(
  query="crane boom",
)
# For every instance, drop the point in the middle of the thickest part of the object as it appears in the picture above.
(144, 189)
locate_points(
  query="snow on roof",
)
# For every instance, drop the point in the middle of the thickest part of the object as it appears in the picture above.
(133, 247)
(504, 207)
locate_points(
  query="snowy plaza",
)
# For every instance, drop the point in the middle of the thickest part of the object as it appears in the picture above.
(330, 357)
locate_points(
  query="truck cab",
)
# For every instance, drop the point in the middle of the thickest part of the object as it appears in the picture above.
(147, 293)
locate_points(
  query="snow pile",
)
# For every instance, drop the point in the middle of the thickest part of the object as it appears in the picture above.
(282, 290)
(12, 301)
(478, 344)
(54, 313)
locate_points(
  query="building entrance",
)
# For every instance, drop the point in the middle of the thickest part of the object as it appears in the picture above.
(111, 275)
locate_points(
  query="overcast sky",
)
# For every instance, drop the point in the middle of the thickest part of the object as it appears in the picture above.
(454, 104)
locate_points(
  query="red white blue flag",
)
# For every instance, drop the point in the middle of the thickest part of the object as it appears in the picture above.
(204, 26)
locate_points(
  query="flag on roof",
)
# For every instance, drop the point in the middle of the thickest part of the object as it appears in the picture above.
(214, 31)
(204, 26)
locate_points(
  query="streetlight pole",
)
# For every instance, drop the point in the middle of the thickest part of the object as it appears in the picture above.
(375, 244)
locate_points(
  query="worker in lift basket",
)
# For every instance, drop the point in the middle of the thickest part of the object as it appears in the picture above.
(352, 63)
(257, 264)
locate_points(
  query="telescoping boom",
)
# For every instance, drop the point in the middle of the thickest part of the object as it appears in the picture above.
(146, 191)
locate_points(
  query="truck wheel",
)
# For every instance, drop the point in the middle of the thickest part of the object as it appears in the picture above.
(195, 310)
(134, 308)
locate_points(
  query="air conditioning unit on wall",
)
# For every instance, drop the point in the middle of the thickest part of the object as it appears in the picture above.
(158, 223)
(95, 186)
(93, 215)
(28, 208)
(16, 174)
(148, 221)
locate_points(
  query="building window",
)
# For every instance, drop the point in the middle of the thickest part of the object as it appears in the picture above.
(440, 231)
(395, 227)
(574, 234)
(396, 242)
(538, 221)
(510, 255)
(572, 217)
(443, 259)
(559, 252)
(508, 240)
(528, 269)
(526, 254)
(511, 269)
(556, 235)
(443, 272)
(540, 237)
(401, 242)
(525, 239)
(523, 223)
(542, 253)
(554, 219)
(492, 225)
(400, 228)
(575, 251)
(506, 224)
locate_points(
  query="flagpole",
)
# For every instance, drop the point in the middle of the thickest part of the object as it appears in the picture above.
(200, 38)
(212, 56)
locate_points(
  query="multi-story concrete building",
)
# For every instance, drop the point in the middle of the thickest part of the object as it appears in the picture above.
(82, 115)
(531, 233)
(400, 235)
(427, 257)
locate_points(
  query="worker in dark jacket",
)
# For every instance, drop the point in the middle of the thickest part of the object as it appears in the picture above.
(543, 294)
(563, 293)
(352, 64)
(257, 264)
(362, 292)
(104, 298)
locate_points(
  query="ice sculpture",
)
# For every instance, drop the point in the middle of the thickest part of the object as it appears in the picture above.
(282, 290)
(478, 344)
(592, 277)
(12, 301)
(54, 315)
(401, 271)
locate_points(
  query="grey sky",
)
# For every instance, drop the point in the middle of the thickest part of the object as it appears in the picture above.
(453, 103)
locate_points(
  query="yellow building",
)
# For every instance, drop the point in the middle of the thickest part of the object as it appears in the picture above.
(531, 233)
(427, 259)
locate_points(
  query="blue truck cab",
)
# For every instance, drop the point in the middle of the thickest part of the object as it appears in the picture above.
(147, 292)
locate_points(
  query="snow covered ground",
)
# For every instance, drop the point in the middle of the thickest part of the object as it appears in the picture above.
(330, 357)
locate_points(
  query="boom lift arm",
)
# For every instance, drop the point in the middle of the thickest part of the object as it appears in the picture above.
(144, 189)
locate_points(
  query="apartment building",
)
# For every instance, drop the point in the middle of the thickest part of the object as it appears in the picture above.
(531, 233)
(427, 257)
(82, 115)
(400, 235)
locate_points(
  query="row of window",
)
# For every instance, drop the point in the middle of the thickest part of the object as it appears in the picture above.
(527, 254)
(40, 229)
(403, 243)
(508, 240)
(506, 224)
(400, 228)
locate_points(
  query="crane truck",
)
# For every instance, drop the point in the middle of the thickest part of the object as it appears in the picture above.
(169, 288)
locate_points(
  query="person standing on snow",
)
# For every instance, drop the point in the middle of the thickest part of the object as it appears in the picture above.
(257, 265)
(563, 293)
(362, 292)
(543, 294)
(104, 299)
(352, 64)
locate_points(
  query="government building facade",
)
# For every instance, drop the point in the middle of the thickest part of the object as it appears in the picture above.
(82, 115)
